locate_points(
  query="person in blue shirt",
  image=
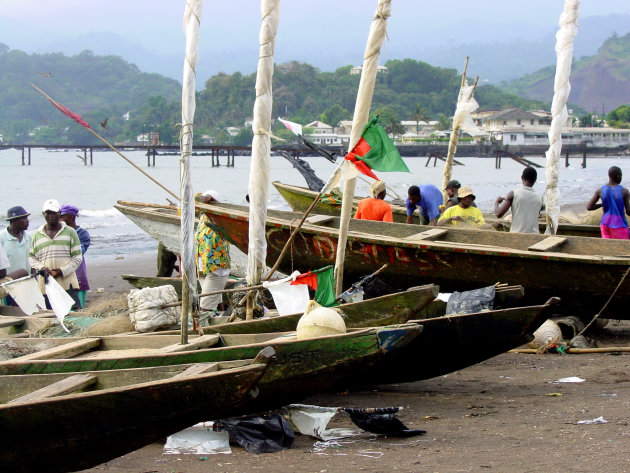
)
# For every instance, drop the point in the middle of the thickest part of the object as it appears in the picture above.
(428, 198)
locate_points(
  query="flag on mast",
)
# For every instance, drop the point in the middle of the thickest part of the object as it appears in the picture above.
(375, 150)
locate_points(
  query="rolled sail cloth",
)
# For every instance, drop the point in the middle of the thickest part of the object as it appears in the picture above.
(376, 188)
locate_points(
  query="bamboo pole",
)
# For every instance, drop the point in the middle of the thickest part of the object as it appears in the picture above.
(109, 145)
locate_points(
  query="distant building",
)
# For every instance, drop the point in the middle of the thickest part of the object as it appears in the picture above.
(379, 70)
(126, 116)
(233, 130)
(322, 133)
(598, 137)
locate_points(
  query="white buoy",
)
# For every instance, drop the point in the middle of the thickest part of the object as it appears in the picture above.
(319, 321)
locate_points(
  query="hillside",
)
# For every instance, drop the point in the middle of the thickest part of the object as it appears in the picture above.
(97, 86)
(599, 81)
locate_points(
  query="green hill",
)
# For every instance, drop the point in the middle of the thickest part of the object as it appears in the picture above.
(599, 81)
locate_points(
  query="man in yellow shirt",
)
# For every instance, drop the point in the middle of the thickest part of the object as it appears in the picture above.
(463, 213)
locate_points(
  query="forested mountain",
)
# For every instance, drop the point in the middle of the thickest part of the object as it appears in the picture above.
(108, 87)
(599, 81)
(97, 87)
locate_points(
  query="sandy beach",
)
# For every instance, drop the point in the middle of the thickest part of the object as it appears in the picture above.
(508, 414)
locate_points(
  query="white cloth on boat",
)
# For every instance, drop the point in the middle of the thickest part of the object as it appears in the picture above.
(288, 299)
(144, 308)
(59, 300)
(27, 295)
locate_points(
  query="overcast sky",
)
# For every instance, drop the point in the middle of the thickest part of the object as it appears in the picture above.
(307, 30)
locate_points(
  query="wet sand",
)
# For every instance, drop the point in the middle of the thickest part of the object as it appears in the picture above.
(507, 414)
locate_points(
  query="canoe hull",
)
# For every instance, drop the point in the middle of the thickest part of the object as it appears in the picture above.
(74, 432)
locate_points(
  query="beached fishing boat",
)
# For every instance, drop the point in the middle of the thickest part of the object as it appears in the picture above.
(300, 198)
(68, 422)
(582, 271)
(396, 308)
(302, 368)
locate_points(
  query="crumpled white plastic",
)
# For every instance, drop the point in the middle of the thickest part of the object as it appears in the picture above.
(288, 299)
(27, 295)
(59, 300)
(598, 420)
(570, 379)
(199, 439)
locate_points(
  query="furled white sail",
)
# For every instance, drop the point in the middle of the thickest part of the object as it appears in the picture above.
(378, 32)
(192, 20)
(561, 88)
(261, 143)
(462, 120)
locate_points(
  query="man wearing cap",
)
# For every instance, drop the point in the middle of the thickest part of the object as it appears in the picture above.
(463, 213)
(451, 190)
(213, 258)
(375, 208)
(56, 248)
(69, 214)
(428, 198)
(15, 241)
(525, 202)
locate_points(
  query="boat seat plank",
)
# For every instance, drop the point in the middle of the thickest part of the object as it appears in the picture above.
(548, 243)
(431, 234)
(67, 350)
(65, 386)
(11, 321)
(316, 219)
(194, 344)
(197, 368)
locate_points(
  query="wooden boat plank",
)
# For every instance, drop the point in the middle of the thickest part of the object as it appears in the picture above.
(11, 321)
(431, 234)
(319, 219)
(548, 243)
(67, 350)
(65, 386)
(205, 341)
(198, 368)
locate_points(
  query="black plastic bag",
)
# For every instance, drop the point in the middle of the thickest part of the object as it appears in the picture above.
(264, 434)
(381, 421)
(469, 302)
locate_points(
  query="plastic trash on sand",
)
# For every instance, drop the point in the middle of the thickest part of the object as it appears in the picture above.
(598, 420)
(312, 421)
(570, 379)
(200, 439)
(264, 434)
(27, 295)
(59, 300)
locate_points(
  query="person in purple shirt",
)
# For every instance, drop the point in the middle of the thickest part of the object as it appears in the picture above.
(616, 203)
(69, 214)
(428, 198)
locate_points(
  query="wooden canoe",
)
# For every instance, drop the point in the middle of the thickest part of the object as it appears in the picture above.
(300, 199)
(582, 271)
(68, 422)
(453, 342)
(390, 309)
(303, 367)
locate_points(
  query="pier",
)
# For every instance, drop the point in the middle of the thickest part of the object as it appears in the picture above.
(215, 152)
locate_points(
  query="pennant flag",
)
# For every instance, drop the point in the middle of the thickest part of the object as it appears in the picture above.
(294, 127)
(322, 281)
(66, 111)
(375, 150)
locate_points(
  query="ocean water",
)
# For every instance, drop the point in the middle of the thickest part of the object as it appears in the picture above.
(95, 189)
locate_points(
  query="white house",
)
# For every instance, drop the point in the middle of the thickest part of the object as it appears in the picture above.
(379, 70)
(598, 137)
(322, 133)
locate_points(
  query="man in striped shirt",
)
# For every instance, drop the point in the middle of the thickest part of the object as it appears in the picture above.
(55, 247)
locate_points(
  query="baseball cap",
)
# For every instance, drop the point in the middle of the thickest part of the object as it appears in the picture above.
(51, 205)
(16, 212)
(69, 209)
(453, 184)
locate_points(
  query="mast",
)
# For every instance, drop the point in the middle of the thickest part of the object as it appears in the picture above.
(261, 148)
(192, 19)
(559, 115)
(378, 32)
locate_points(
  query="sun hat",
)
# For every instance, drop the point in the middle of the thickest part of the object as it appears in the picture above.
(67, 209)
(453, 184)
(465, 191)
(212, 193)
(16, 212)
(51, 205)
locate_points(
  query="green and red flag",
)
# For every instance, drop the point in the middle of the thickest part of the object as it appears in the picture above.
(322, 281)
(375, 150)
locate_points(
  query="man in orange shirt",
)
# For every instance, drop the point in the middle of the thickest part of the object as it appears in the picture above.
(375, 208)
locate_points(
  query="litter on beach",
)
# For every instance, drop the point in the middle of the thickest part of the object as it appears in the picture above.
(570, 379)
(598, 420)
